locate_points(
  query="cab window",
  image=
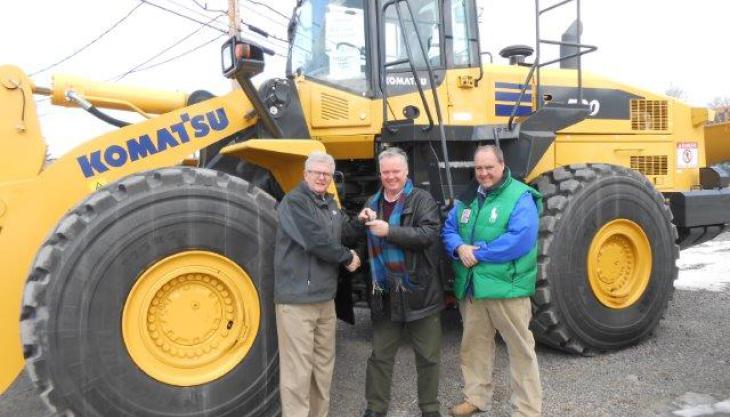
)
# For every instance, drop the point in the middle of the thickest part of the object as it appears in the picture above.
(427, 21)
(329, 43)
(463, 34)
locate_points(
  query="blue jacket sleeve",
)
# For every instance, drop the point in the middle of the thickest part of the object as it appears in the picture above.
(519, 238)
(450, 233)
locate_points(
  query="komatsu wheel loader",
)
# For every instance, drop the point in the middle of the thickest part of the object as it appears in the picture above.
(137, 268)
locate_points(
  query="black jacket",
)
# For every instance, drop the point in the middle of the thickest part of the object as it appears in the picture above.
(308, 249)
(419, 237)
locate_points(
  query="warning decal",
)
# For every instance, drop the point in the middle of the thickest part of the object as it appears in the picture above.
(687, 156)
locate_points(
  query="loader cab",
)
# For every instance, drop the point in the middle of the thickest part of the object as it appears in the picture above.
(331, 41)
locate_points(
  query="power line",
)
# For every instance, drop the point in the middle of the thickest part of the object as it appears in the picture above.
(157, 64)
(184, 16)
(88, 44)
(267, 17)
(263, 33)
(205, 7)
(196, 11)
(189, 51)
(270, 8)
(139, 67)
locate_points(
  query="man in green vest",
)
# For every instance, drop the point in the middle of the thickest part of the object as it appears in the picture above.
(491, 236)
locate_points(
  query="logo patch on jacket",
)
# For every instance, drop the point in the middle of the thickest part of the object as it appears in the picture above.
(465, 216)
(493, 215)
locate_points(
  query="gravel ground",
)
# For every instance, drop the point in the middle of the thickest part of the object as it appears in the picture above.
(685, 363)
(683, 368)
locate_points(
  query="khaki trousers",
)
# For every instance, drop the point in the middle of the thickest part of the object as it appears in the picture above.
(306, 334)
(511, 317)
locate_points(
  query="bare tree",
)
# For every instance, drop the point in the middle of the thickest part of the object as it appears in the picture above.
(676, 92)
(721, 106)
(719, 103)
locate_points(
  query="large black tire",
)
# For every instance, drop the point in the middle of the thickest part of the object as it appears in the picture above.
(578, 201)
(81, 278)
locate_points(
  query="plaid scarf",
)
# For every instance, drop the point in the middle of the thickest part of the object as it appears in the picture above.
(384, 256)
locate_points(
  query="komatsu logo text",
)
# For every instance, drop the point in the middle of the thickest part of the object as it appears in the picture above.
(143, 146)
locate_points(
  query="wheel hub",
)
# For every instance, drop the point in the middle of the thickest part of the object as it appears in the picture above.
(190, 318)
(619, 263)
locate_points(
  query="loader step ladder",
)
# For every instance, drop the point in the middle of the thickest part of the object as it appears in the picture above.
(581, 49)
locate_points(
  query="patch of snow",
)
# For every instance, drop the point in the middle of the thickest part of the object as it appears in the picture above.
(722, 407)
(699, 410)
(705, 267)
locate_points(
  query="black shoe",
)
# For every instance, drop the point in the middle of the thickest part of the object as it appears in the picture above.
(431, 414)
(371, 413)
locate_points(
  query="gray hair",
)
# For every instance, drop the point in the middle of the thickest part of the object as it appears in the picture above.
(393, 152)
(491, 148)
(317, 157)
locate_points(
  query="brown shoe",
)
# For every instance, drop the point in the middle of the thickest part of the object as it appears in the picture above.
(465, 409)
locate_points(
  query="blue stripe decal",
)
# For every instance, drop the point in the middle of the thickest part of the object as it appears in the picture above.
(506, 110)
(513, 97)
(511, 86)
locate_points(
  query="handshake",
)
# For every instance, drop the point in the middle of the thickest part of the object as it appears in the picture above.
(377, 227)
(354, 263)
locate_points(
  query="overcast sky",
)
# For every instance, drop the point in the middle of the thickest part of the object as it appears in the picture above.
(655, 44)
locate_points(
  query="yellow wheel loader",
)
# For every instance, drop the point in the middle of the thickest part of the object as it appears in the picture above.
(137, 268)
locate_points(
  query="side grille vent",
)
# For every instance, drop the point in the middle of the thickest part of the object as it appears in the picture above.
(650, 164)
(334, 108)
(649, 114)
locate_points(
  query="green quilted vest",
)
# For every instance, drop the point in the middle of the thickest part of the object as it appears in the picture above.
(484, 224)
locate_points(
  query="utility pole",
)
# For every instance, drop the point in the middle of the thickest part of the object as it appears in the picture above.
(234, 27)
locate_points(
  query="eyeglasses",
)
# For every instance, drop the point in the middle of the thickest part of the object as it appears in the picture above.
(322, 174)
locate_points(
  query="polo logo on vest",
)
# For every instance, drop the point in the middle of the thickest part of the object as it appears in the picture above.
(493, 215)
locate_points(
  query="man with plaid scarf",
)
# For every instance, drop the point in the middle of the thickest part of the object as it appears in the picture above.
(403, 225)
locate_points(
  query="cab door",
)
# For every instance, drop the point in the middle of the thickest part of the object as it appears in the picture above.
(467, 104)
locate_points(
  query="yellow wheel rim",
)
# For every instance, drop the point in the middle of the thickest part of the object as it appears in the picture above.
(190, 318)
(619, 263)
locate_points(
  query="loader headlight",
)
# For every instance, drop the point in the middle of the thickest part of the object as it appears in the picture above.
(228, 58)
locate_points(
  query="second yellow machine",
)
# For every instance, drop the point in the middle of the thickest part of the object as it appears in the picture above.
(137, 281)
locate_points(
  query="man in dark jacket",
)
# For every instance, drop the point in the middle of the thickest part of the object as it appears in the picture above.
(403, 225)
(307, 260)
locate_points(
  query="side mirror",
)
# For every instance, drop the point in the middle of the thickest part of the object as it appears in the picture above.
(242, 57)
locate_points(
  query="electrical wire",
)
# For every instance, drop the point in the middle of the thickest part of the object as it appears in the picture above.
(270, 8)
(263, 33)
(139, 67)
(88, 44)
(205, 7)
(157, 64)
(184, 16)
(281, 25)
(196, 11)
